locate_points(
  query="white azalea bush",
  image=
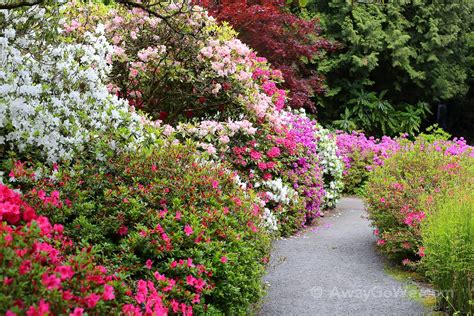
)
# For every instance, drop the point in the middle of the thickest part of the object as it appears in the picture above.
(332, 166)
(54, 101)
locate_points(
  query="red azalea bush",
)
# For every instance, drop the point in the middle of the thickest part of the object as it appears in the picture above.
(41, 272)
(396, 192)
(283, 38)
(164, 215)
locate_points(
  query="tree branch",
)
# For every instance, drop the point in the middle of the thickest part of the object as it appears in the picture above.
(16, 5)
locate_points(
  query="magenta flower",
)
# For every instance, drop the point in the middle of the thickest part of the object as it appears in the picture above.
(188, 230)
(273, 152)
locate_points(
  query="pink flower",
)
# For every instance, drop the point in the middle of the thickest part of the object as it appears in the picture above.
(188, 230)
(406, 262)
(41, 310)
(215, 184)
(421, 252)
(224, 259)
(178, 216)
(273, 152)
(25, 267)
(108, 293)
(382, 200)
(51, 282)
(148, 264)
(255, 155)
(66, 272)
(380, 242)
(92, 300)
(77, 312)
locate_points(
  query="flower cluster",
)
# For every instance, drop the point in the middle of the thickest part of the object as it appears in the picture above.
(54, 100)
(360, 155)
(41, 270)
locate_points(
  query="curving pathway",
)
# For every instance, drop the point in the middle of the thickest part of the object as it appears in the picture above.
(334, 269)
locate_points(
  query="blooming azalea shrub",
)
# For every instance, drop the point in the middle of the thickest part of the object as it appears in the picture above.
(165, 215)
(54, 98)
(448, 241)
(260, 156)
(361, 154)
(43, 272)
(395, 192)
(331, 165)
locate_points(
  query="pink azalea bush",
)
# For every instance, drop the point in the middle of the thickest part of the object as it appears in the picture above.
(396, 191)
(164, 216)
(44, 272)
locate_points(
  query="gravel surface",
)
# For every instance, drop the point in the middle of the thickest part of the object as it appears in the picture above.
(334, 269)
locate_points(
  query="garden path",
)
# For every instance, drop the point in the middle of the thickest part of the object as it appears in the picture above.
(334, 269)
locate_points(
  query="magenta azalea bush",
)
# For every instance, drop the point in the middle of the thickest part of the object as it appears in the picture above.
(361, 154)
(396, 192)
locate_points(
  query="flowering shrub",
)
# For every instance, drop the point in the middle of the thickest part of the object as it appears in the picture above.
(395, 192)
(361, 154)
(54, 100)
(40, 270)
(284, 38)
(164, 215)
(187, 67)
(331, 165)
(260, 156)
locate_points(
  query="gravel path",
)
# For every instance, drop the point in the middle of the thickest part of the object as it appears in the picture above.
(334, 269)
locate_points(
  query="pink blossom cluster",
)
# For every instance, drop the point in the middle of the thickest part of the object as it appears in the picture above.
(31, 247)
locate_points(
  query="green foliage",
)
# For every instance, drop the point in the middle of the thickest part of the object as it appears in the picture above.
(396, 191)
(448, 238)
(357, 175)
(394, 59)
(166, 205)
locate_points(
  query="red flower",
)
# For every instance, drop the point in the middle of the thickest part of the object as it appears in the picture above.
(123, 230)
(25, 267)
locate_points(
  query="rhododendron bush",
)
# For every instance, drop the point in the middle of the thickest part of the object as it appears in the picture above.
(187, 67)
(361, 154)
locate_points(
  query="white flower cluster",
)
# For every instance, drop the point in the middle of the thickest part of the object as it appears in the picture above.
(331, 165)
(53, 99)
(280, 192)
